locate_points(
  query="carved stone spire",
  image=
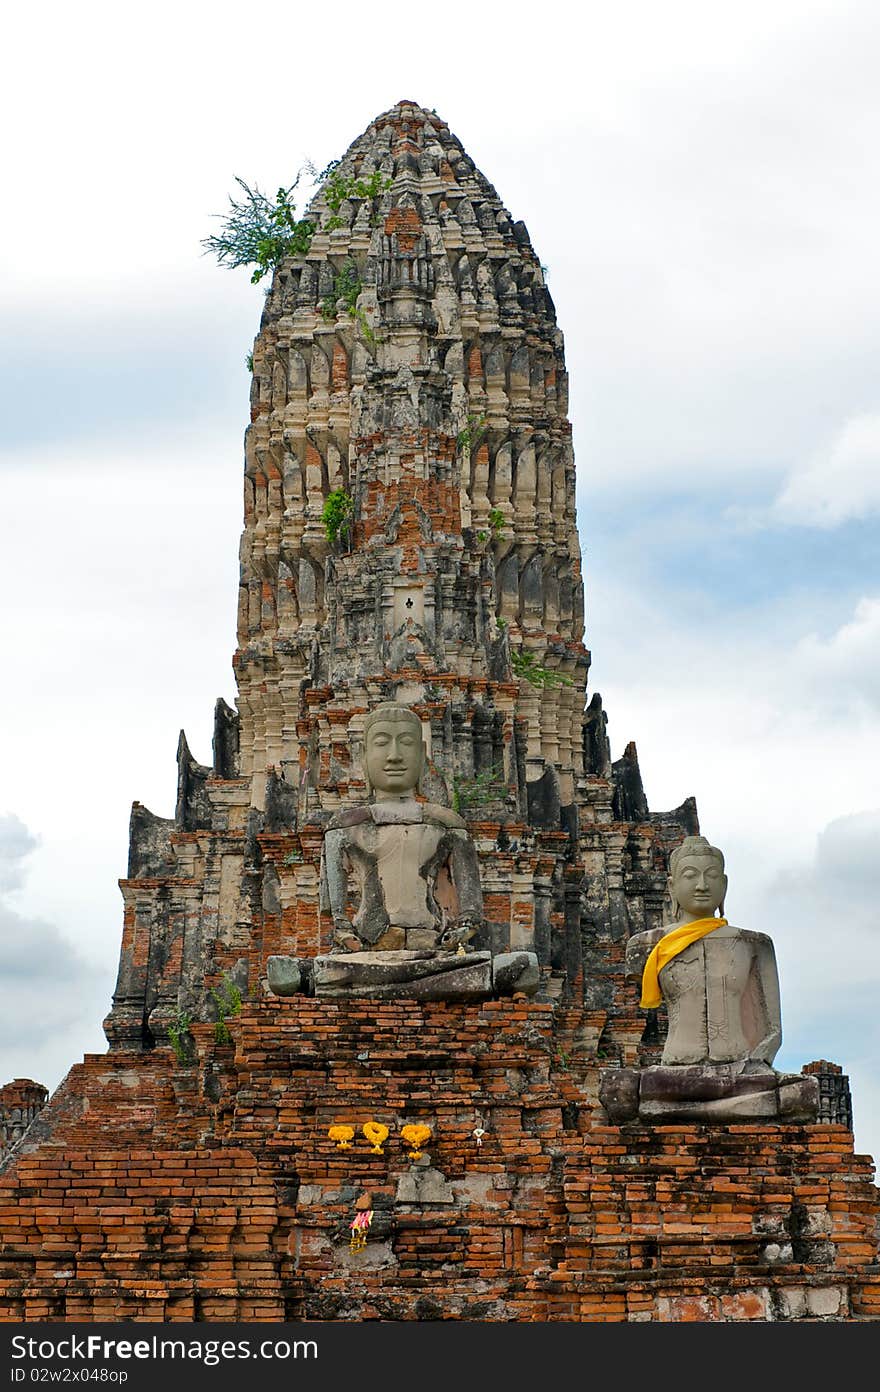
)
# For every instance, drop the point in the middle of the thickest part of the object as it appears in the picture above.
(434, 395)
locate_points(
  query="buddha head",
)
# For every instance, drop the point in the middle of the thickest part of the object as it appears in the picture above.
(394, 751)
(697, 883)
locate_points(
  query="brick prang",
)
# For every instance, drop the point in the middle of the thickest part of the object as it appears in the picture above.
(410, 362)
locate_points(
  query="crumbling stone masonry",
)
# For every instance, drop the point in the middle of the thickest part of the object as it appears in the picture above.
(20, 1102)
(188, 1173)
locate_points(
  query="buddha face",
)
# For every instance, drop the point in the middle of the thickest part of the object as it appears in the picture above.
(698, 886)
(393, 756)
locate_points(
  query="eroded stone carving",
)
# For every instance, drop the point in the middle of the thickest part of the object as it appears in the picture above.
(413, 864)
(413, 871)
(721, 989)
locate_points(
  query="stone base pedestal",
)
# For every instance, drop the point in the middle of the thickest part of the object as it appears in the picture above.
(418, 975)
(707, 1092)
(415, 975)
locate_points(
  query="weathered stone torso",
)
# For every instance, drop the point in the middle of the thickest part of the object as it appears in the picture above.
(716, 1003)
(716, 993)
(411, 866)
(392, 850)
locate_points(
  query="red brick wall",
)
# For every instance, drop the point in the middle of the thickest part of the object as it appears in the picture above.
(212, 1191)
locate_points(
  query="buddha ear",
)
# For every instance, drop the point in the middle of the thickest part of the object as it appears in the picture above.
(364, 770)
(670, 896)
(423, 750)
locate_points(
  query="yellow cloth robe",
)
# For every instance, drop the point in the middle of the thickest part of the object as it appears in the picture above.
(668, 947)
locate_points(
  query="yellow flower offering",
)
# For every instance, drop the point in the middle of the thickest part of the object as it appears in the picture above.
(342, 1135)
(375, 1133)
(415, 1134)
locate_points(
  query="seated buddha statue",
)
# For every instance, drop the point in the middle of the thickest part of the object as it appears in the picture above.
(720, 986)
(412, 864)
(401, 880)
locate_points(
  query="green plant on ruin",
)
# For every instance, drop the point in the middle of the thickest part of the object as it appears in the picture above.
(179, 1036)
(259, 232)
(347, 286)
(337, 188)
(497, 522)
(249, 362)
(479, 791)
(227, 1001)
(337, 514)
(526, 666)
(364, 325)
(294, 858)
(471, 436)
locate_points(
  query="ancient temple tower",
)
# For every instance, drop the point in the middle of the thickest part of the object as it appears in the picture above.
(433, 396)
(410, 366)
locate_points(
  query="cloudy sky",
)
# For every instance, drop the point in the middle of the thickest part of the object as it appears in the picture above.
(701, 181)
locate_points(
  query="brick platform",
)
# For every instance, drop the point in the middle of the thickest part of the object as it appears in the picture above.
(156, 1191)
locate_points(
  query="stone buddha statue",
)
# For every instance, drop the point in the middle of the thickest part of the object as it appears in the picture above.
(401, 880)
(721, 989)
(413, 865)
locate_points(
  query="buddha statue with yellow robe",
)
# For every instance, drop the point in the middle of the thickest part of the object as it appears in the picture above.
(720, 986)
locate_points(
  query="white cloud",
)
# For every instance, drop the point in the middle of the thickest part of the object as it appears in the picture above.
(122, 626)
(845, 668)
(841, 483)
(822, 916)
(848, 862)
(15, 843)
(53, 1000)
(826, 902)
(765, 660)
